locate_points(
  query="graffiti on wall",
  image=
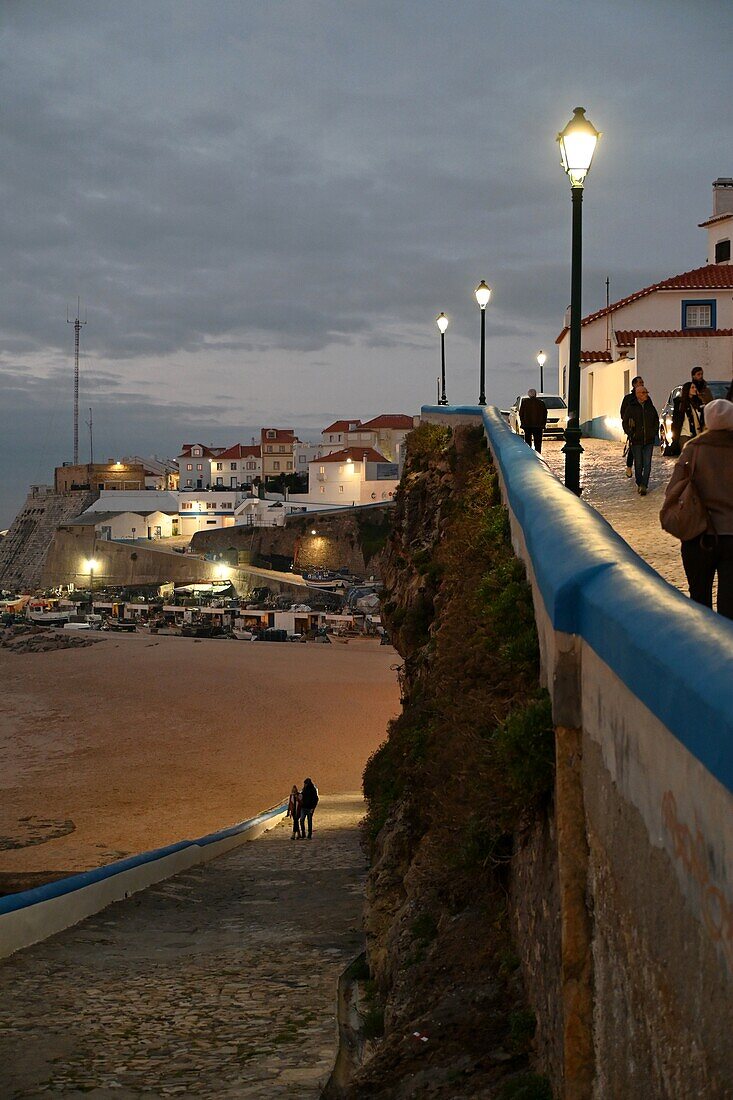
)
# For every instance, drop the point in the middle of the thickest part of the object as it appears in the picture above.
(691, 851)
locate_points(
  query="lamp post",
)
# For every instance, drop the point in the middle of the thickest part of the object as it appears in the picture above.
(542, 359)
(442, 322)
(90, 565)
(483, 294)
(577, 145)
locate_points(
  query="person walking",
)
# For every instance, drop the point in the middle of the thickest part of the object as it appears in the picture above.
(703, 389)
(533, 417)
(638, 381)
(707, 461)
(688, 416)
(308, 803)
(294, 812)
(641, 424)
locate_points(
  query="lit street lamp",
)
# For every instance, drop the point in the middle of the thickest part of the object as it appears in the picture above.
(90, 565)
(542, 359)
(483, 294)
(577, 145)
(442, 322)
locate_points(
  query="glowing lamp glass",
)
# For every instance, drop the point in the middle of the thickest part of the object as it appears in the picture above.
(483, 294)
(577, 145)
(442, 322)
(542, 358)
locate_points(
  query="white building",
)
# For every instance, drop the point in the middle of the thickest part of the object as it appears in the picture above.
(353, 475)
(236, 467)
(194, 465)
(206, 511)
(659, 332)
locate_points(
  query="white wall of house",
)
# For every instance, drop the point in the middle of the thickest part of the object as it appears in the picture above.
(228, 473)
(206, 511)
(349, 482)
(663, 362)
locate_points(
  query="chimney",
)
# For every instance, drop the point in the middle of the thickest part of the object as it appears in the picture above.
(723, 195)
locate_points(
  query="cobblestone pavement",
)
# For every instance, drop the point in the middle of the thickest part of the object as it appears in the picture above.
(220, 982)
(607, 489)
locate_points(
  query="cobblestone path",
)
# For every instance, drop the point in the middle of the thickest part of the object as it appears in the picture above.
(220, 982)
(607, 489)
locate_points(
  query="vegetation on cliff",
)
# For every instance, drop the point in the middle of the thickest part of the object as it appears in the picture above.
(466, 767)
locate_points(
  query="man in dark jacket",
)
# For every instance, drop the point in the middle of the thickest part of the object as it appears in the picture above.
(308, 803)
(533, 417)
(703, 389)
(641, 424)
(638, 381)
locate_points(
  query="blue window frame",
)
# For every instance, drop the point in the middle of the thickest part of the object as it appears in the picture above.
(699, 313)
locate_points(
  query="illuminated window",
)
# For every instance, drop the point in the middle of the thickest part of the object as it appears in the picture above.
(189, 465)
(321, 469)
(199, 466)
(323, 488)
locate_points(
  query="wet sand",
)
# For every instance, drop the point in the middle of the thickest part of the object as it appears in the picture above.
(140, 741)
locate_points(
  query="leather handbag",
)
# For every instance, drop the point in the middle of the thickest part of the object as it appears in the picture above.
(683, 513)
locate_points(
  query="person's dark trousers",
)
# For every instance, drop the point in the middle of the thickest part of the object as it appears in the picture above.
(533, 438)
(296, 825)
(306, 815)
(643, 462)
(629, 456)
(702, 557)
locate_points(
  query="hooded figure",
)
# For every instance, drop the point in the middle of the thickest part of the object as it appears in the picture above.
(707, 461)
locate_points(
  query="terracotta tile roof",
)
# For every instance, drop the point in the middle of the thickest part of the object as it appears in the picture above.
(596, 357)
(239, 450)
(342, 426)
(282, 435)
(356, 454)
(714, 220)
(625, 337)
(206, 452)
(390, 420)
(710, 277)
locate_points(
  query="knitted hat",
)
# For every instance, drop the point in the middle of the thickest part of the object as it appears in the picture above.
(719, 415)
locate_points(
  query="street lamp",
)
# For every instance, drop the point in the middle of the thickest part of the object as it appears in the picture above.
(442, 322)
(542, 359)
(90, 565)
(577, 145)
(483, 294)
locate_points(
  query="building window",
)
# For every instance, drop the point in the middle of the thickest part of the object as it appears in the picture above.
(196, 452)
(341, 488)
(323, 488)
(271, 434)
(697, 314)
(276, 465)
(269, 450)
(220, 465)
(232, 465)
(220, 482)
(199, 466)
(189, 465)
(211, 504)
(251, 466)
(289, 465)
(722, 252)
(321, 469)
(189, 485)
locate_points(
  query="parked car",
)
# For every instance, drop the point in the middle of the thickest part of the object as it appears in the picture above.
(718, 389)
(557, 413)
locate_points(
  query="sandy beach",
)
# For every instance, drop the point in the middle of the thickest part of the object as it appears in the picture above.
(139, 741)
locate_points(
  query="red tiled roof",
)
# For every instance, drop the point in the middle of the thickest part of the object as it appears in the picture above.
(596, 357)
(356, 454)
(342, 426)
(282, 435)
(206, 452)
(390, 420)
(710, 277)
(625, 337)
(714, 220)
(239, 450)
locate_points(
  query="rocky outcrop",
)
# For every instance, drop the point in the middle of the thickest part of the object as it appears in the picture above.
(24, 550)
(460, 809)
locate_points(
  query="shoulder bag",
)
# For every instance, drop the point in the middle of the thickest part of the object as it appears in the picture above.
(683, 513)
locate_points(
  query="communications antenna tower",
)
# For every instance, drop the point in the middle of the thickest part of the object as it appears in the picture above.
(77, 323)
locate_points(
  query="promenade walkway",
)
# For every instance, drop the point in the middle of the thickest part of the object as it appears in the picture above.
(220, 982)
(610, 492)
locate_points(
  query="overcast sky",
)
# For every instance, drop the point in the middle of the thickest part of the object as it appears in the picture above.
(263, 206)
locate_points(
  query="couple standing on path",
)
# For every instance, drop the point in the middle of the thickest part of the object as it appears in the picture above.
(301, 807)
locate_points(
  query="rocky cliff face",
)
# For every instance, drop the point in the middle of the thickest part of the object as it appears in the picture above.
(24, 550)
(459, 823)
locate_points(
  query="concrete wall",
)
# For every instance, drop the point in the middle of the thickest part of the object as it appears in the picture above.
(24, 550)
(34, 915)
(643, 800)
